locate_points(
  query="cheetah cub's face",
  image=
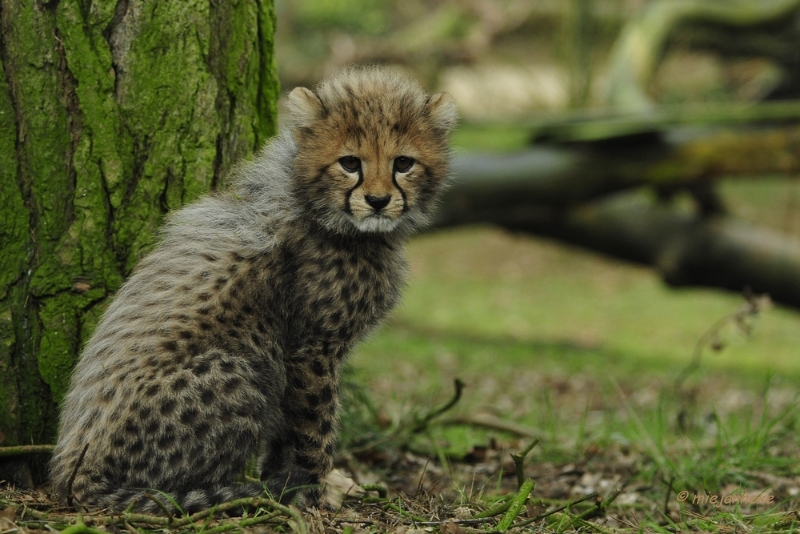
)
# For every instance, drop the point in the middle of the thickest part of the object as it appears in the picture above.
(377, 198)
(372, 150)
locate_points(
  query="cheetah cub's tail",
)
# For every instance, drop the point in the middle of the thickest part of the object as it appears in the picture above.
(162, 503)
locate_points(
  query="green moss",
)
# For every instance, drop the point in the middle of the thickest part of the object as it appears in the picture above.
(268, 83)
(14, 216)
(59, 343)
(243, 64)
(13, 251)
(89, 61)
(166, 100)
(8, 387)
(46, 125)
(36, 191)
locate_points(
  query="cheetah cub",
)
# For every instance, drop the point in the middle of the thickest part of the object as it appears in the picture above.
(226, 343)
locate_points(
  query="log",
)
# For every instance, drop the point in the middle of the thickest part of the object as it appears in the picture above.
(557, 190)
(557, 176)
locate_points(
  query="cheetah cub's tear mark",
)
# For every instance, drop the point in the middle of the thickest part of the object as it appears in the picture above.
(226, 342)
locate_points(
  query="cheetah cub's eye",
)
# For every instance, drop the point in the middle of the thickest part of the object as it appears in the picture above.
(350, 163)
(403, 163)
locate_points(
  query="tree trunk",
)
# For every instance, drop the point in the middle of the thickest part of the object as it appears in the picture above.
(111, 114)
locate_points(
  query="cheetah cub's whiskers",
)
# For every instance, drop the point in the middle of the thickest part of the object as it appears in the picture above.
(227, 340)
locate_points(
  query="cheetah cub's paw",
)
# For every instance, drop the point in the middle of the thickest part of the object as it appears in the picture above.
(336, 487)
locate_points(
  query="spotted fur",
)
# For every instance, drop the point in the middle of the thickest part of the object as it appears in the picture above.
(227, 340)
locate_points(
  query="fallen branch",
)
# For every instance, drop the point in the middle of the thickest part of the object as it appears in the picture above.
(21, 450)
(548, 513)
(608, 125)
(493, 511)
(80, 528)
(465, 522)
(242, 524)
(551, 177)
(516, 505)
(422, 423)
(599, 509)
(494, 423)
(70, 495)
(519, 462)
(414, 424)
(173, 523)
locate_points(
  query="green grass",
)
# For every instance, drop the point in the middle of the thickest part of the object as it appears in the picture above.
(523, 301)
(578, 347)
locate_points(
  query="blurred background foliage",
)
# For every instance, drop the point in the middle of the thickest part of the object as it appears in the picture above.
(503, 58)
(527, 55)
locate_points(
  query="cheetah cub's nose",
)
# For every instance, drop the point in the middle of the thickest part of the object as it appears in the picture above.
(377, 203)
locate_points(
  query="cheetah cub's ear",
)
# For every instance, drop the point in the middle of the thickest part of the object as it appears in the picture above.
(304, 107)
(442, 110)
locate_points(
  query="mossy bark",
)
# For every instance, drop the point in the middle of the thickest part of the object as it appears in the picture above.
(111, 114)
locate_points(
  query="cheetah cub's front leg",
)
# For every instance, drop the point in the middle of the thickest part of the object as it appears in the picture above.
(315, 450)
(311, 406)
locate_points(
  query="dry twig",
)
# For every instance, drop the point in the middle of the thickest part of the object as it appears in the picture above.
(519, 462)
(516, 504)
